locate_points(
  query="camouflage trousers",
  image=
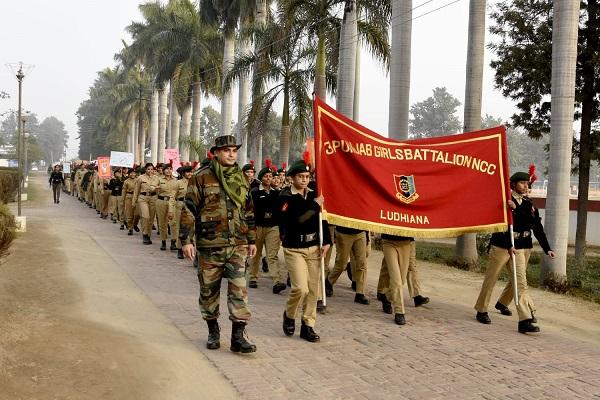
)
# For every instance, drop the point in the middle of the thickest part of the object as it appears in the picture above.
(229, 263)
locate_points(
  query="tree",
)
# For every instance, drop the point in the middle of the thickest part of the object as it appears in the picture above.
(282, 61)
(435, 116)
(398, 120)
(564, 60)
(466, 245)
(52, 138)
(523, 72)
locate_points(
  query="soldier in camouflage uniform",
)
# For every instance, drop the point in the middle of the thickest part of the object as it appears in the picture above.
(218, 215)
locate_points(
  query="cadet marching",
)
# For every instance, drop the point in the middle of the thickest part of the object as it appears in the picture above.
(223, 217)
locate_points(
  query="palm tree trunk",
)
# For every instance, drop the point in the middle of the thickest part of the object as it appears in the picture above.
(356, 100)
(320, 82)
(141, 140)
(244, 96)
(466, 245)
(564, 58)
(284, 138)
(196, 116)
(172, 111)
(347, 64)
(130, 136)
(176, 130)
(227, 100)
(400, 69)
(585, 139)
(186, 125)
(162, 123)
(259, 151)
(154, 127)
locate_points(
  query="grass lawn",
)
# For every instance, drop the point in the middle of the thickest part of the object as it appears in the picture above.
(582, 281)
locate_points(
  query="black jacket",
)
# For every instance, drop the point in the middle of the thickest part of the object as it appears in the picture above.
(299, 220)
(526, 218)
(265, 206)
(115, 186)
(56, 178)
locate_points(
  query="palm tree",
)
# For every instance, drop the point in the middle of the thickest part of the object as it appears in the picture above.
(466, 245)
(400, 69)
(225, 14)
(373, 27)
(564, 58)
(283, 61)
(179, 45)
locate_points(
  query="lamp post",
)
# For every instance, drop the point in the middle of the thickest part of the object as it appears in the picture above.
(20, 75)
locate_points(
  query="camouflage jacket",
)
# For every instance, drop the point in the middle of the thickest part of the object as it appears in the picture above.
(211, 218)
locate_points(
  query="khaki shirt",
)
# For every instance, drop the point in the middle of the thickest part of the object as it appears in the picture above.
(128, 188)
(168, 186)
(180, 191)
(145, 184)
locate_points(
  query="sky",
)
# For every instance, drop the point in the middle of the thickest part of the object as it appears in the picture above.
(68, 41)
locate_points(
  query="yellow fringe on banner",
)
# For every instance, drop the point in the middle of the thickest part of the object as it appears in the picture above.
(410, 232)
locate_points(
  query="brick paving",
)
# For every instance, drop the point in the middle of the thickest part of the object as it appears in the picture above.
(442, 352)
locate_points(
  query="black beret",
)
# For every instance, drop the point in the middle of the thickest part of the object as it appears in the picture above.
(520, 177)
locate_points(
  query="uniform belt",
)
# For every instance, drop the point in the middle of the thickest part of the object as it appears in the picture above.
(164, 197)
(520, 235)
(148, 193)
(308, 237)
(129, 192)
(181, 199)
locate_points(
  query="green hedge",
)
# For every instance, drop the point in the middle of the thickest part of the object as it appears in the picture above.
(7, 229)
(9, 183)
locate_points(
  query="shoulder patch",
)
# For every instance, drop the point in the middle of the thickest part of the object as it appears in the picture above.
(284, 207)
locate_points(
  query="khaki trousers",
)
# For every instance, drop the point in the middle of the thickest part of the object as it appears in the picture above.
(267, 236)
(507, 294)
(304, 269)
(132, 215)
(347, 244)
(162, 211)
(147, 206)
(498, 260)
(104, 200)
(115, 207)
(397, 256)
(412, 277)
(176, 225)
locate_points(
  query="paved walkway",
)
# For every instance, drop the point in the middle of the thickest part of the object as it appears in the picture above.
(442, 353)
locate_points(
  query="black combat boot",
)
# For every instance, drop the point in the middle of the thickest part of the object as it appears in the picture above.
(503, 309)
(361, 299)
(265, 265)
(420, 300)
(353, 286)
(180, 254)
(239, 344)
(321, 308)
(253, 284)
(328, 288)
(307, 333)
(526, 326)
(146, 239)
(122, 227)
(278, 287)
(386, 305)
(399, 319)
(289, 325)
(130, 232)
(483, 317)
(214, 334)
(173, 245)
(163, 244)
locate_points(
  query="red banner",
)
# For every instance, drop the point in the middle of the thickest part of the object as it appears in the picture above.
(437, 187)
(104, 167)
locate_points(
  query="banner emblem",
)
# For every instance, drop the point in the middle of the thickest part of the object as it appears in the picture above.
(406, 191)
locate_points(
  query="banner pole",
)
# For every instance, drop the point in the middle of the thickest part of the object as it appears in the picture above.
(514, 265)
(322, 259)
